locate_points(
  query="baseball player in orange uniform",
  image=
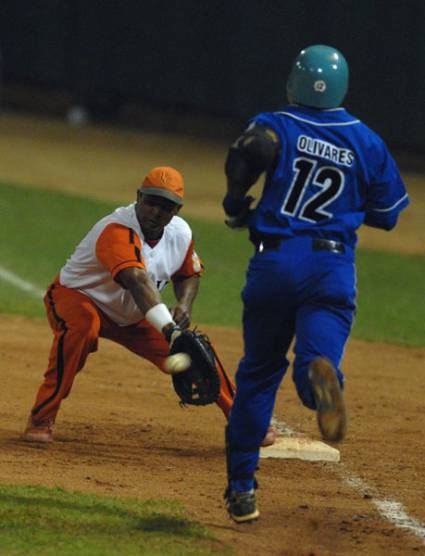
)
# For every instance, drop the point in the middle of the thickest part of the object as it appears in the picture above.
(110, 288)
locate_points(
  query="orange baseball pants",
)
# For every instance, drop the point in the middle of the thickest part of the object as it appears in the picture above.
(77, 324)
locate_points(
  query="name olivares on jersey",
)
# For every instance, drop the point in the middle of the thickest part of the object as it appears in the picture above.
(326, 150)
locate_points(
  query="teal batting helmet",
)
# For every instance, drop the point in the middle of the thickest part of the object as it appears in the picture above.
(319, 77)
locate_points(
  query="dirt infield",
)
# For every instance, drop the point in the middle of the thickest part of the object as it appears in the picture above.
(122, 432)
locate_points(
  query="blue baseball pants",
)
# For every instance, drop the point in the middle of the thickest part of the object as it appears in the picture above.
(292, 290)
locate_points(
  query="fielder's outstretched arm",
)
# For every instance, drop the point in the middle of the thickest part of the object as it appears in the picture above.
(185, 291)
(148, 299)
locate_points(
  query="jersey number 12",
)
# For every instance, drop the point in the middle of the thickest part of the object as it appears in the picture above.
(328, 178)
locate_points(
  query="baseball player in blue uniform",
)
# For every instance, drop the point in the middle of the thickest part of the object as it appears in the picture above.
(326, 173)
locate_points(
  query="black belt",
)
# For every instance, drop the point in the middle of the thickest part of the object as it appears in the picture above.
(318, 244)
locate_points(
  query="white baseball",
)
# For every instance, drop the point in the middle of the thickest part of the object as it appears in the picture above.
(177, 363)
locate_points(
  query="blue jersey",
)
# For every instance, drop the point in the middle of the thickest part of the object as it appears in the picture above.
(333, 174)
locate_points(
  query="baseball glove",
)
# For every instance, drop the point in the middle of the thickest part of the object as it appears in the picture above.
(200, 384)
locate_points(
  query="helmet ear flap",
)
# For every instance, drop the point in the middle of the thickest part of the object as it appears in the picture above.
(318, 78)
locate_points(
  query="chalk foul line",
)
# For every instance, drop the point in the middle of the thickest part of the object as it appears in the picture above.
(18, 282)
(391, 510)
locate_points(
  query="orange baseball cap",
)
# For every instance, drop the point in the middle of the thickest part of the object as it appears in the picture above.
(166, 182)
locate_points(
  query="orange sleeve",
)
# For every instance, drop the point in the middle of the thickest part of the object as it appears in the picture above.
(119, 247)
(192, 265)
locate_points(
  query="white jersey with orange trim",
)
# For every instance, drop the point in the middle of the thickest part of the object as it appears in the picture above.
(117, 242)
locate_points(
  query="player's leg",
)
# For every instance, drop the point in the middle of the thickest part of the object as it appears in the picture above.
(258, 378)
(320, 332)
(321, 337)
(75, 322)
(227, 392)
(323, 326)
(268, 324)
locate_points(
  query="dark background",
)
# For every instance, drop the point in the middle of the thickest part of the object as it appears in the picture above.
(217, 59)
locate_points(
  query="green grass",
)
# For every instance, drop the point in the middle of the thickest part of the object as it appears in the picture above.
(43, 227)
(39, 229)
(391, 298)
(42, 521)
